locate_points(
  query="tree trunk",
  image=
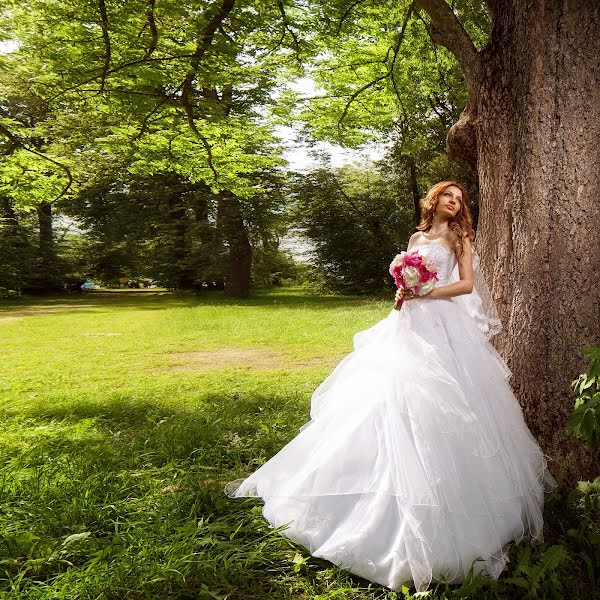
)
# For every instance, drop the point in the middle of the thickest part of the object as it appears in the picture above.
(532, 127)
(538, 128)
(9, 218)
(230, 221)
(46, 233)
(414, 186)
(46, 278)
(184, 279)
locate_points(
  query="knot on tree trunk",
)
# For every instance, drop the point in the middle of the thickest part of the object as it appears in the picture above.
(461, 141)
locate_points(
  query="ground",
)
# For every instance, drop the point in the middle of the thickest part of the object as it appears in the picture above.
(124, 415)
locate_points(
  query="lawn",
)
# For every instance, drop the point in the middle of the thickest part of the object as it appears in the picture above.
(123, 416)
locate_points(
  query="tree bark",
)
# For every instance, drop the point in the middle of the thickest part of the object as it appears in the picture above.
(532, 127)
(9, 217)
(414, 186)
(46, 279)
(230, 221)
(46, 232)
(184, 279)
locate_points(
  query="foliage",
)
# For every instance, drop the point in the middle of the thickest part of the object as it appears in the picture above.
(584, 420)
(22, 266)
(146, 91)
(356, 220)
(379, 74)
(165, 227)
(272, 266)
(164, 87)
(137, 90)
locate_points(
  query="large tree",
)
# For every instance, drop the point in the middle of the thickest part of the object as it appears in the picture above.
(163, 87)
(531, 128)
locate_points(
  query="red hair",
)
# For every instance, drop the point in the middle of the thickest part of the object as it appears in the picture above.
(461, 223)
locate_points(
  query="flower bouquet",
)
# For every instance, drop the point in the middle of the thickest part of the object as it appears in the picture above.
(414, 272)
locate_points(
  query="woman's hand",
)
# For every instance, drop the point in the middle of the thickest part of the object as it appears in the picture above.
(402, 293)
(409, 295)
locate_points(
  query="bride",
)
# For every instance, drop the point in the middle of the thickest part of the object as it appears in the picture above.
(416, 465)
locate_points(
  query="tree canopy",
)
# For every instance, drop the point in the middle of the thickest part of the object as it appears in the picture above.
(99, 95)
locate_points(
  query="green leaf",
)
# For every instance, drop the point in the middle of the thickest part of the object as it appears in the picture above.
(75, 537)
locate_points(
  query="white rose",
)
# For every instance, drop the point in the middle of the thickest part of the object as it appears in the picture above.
(397, 261)
(427, 287)
(411, 276)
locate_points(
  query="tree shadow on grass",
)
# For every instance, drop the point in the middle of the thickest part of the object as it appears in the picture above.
(141, 484)
(223, 431)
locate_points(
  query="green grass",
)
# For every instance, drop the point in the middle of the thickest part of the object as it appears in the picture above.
(116, 442)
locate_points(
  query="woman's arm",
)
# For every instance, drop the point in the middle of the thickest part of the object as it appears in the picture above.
(413, 240)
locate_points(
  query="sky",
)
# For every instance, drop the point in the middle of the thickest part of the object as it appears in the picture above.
(299, 158)
(7, 46)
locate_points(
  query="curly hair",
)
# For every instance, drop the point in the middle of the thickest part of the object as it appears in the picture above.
(461, 223)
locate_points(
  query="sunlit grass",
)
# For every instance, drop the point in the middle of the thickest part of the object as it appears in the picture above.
(116, 445)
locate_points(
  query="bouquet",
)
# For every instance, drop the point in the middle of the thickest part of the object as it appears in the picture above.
(412, 271)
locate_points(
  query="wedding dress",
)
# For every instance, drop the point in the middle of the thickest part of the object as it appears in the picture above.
(416, 465)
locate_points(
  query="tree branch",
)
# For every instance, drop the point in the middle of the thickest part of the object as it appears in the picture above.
(115, 70)
(145, 120)
(346, 13)
(106, 38)
(447, 30)
(186, 87)
(357, 93)
(358, 211)
(397, 49)
(201, 48)
(287, 27)
(165, 97)
(153, 31)
(205, 42)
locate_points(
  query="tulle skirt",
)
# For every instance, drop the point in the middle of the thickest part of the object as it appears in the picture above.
(416, 465)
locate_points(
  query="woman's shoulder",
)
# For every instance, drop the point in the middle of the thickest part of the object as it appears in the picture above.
(415, 237)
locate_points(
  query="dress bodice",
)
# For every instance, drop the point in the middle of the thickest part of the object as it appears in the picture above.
(444, 259)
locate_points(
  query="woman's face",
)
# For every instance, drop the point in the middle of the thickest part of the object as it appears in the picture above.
(449, 202)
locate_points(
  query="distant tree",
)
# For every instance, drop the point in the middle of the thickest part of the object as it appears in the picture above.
(167, 88)
(357, 220)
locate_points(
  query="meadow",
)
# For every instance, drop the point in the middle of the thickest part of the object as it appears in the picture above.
(123, 415)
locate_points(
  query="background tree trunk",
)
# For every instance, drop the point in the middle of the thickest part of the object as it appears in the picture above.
(414, 186)
(46, 279)
(184, 279)
(230, 221)
(46, 233)
(8, 216)
(532, 126)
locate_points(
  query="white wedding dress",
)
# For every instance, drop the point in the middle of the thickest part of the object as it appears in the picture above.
(416, 464)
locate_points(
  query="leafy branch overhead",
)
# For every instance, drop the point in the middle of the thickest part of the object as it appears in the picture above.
(112, 75)
(213, 77)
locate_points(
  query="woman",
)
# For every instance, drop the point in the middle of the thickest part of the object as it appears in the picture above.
(416, 465)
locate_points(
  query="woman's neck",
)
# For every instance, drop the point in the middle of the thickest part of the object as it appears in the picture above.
(438, 226)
